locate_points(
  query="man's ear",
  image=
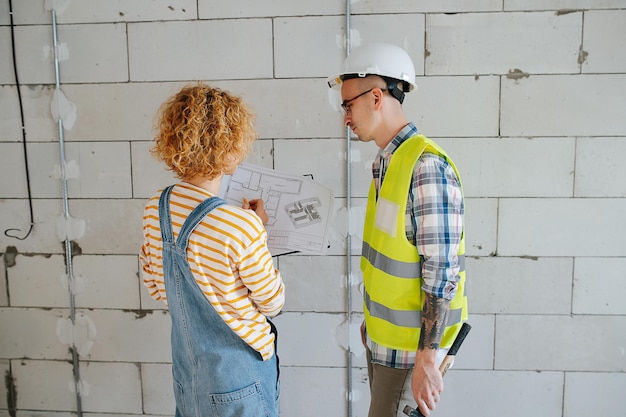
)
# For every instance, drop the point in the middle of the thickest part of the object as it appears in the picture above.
(378, 97)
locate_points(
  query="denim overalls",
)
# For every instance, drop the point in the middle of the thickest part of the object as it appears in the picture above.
(216, 373)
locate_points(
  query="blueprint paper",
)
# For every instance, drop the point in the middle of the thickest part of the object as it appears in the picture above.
(299, 209)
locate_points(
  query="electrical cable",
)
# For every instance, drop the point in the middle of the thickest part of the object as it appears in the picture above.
(8, 232)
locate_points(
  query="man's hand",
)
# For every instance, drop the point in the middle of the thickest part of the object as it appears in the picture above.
(363, 334)
(427, 381)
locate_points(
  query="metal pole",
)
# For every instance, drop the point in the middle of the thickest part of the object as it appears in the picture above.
(66, 214)
(348, 234)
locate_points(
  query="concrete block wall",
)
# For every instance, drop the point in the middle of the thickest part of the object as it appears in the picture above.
(528, 96)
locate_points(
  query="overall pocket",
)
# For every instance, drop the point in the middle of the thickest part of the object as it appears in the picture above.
(245, 402)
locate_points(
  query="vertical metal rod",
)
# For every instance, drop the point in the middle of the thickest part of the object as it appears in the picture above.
(349, 235)
(66, 214)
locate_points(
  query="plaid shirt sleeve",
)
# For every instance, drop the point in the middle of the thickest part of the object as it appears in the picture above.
(436, 209)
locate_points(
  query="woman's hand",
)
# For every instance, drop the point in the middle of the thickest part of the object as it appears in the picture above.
(256, 205)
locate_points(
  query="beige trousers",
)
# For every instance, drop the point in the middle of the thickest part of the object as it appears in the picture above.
(390, 388)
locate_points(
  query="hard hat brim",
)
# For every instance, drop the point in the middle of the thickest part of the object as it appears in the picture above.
(335, 81)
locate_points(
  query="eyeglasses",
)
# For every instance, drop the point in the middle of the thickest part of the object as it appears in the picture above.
(345, 105)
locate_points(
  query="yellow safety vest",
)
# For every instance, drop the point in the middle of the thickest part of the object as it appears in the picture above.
(391, 265)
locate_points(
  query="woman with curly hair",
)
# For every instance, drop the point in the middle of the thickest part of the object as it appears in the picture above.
(209, 262)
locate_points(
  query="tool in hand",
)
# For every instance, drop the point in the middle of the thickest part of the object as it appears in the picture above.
(445, 365)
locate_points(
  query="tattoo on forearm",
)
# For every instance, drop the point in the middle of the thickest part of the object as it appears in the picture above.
(434, 319)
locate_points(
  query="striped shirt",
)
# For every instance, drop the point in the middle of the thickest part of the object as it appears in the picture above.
(230, 261)
(434, 224)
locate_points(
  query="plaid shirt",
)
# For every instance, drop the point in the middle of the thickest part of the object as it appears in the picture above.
(434, 223)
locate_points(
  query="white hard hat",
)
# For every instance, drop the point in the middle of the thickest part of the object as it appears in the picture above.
(383, 59)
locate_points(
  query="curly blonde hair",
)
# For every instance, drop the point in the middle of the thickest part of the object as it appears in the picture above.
(203, 131)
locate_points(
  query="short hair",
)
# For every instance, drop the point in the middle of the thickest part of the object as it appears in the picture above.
(394, 86)
(203, 131)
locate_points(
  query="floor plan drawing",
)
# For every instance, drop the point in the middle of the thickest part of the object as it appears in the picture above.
(304, 212)
(299, 209)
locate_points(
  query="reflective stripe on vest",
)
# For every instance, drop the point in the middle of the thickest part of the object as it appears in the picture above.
(397, 268)
(406, 318)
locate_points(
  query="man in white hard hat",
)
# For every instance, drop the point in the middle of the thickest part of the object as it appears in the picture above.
(413, 240)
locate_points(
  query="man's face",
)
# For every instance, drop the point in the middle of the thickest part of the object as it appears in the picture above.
(356, 102)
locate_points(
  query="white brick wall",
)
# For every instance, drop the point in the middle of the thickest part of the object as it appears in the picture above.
(568, 343)
(87, 53)
(561, 227)
(603, 56)
(459, 106)
(504, 285)
(10, 123)
(588, 298)
(529, 98)
(599, 170)
(163, 51)
(554, 105)
(502, 393)
(488, 43)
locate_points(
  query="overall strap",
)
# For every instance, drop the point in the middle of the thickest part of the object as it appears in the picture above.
(196, 217)
(167, 236)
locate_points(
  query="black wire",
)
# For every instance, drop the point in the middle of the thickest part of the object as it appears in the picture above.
(19, 97)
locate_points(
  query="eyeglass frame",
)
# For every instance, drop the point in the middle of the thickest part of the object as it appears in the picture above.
(345, 105)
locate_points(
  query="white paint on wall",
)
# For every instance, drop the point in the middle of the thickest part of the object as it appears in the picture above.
(59, 6)
(72, 170)
(357, 219)
(70, 228)
(334, 99)
(77, 285)
(63, 52)
(82, 386)
(355, 156)
(348, 335)
(355, 38)
(62, 108)
(81, 334)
